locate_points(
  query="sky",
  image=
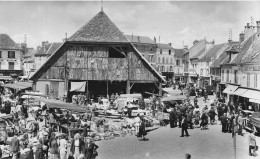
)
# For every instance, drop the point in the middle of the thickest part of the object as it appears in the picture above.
(179, 23)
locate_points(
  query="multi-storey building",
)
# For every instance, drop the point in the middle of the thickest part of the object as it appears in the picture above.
(29, 63)
(179, 65)
(146, 46)
(165, 60)
(196, 52)
(10, 58)
(239, 70)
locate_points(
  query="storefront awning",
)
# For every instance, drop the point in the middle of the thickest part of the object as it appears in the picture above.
(230, 89)
(240, 91)
(252, 94)
(254, 101)
(61, 105)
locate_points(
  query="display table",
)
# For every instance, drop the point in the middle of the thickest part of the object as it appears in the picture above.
(70, 130)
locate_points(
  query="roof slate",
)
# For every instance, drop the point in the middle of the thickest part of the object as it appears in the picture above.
(7, 43)
(142, 39)
(53, 48)
(198, 54)
(99, 29)
(253, 53)
(209, 54)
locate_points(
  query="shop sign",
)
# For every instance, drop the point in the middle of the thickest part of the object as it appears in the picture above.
(252, 68)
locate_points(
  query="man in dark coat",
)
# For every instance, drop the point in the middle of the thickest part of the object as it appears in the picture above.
(212, 115)
(172, 118)
(224, 121)
(184, 127)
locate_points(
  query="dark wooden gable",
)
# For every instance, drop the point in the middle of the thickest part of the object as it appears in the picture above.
(94, 63)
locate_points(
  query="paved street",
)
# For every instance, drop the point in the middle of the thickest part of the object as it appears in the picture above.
(166, 143)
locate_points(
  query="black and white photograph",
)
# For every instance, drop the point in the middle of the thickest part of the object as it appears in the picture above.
(118, 79)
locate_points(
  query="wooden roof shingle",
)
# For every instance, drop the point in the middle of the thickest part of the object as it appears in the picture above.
(99, 29)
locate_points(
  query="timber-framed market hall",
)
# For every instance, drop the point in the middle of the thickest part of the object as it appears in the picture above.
(97, 60)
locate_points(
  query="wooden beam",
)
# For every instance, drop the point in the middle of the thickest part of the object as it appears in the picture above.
(136, 81)
(160, 88)
(119, 51)
(156, 85)
(153, 94)
(131, 85)
(128, 87)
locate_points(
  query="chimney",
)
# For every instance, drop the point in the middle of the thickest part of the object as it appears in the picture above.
(241, 37)
(138, 38)
(44, 44)
(258, 26)
(195, 42)
(170, 44)
(249, 30)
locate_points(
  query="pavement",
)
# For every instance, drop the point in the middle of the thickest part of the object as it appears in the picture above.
(166, 143)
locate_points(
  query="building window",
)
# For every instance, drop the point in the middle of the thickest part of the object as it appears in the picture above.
(222, 74)
(177, 62)
(163, 60)
(227, 80)
(150, 57)
(171, 60)
(235, 76)
(0, 54)
(166, 60)
(159, 60)
(160, 51)
(248, 80)
(11, 54)
(170, 68)
(207, 72)
(255, 80)
(207, 63)
(170, 52)
(201, 72)
(11, 65)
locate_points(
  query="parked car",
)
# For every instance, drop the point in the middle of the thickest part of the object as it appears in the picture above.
(210, 90)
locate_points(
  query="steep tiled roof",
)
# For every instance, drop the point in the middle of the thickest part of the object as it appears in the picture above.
(178, 52)
(243, 48)
(142, 39)
(54, 46)
(253, 53)
(30, 53)
(43, 50)
(209, 54)
(223, 57)
(99, 29)
(7, 43)
(198, 54)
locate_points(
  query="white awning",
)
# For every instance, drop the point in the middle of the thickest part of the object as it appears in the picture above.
(252, 94)
(240, 91)
(230, 89)
(78, 86)
(254, 101)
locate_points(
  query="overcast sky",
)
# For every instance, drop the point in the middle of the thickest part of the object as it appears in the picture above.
(175, 22)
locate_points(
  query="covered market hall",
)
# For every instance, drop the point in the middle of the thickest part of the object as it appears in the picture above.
(97, 60)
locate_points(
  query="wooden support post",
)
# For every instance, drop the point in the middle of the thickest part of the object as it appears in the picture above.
(107, 90)
(87, 91)
(128, 87)
(160, 88)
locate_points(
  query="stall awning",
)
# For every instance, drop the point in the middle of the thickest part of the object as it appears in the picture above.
(252, 94)
(171, 91)
(131, 95)
(61, 105)
(18, 85)
(254, 101)
(6, 78)
(240, 91)
(173, 98)
(230, 89)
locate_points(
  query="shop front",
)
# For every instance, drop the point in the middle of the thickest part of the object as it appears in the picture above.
(229, 90)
